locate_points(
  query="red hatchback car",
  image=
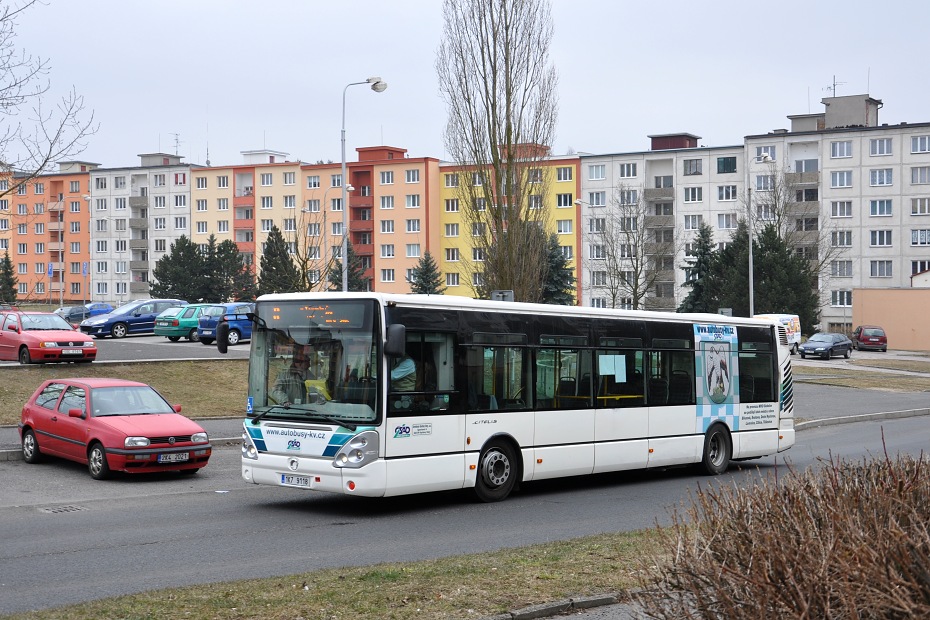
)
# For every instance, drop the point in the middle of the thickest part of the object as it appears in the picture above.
(39, 337)
(111, 424)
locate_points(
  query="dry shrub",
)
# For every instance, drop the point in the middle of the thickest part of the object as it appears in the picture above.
(849, 540)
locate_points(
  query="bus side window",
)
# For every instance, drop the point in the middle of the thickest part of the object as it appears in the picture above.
(497, 378)
(620, 379)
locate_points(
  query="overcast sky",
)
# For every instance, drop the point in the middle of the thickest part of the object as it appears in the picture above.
(240, 75)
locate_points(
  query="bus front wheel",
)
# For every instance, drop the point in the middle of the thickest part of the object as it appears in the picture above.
(497, 472)
(717, 450)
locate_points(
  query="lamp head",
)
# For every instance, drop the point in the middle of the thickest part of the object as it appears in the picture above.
(350, 188)
(377, 84)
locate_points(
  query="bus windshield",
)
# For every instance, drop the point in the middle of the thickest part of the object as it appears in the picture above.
(316, 361)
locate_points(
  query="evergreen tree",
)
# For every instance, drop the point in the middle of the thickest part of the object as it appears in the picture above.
(426, 278)
(727, 280)
(698, 298)
(8, 282)
(784, 281)
(226, 276)
(357, 280)
(278, 272)
(178, 274)
(559, 283)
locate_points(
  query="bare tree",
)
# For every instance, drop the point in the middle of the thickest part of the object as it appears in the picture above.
(494, 74)
(36, 135)
(631, 252)
(791, 202)
(311, 253)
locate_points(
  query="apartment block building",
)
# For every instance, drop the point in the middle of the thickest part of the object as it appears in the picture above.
(554, 183)
(136, 213)
(44, 226)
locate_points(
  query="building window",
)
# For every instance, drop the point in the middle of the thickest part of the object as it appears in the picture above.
(564, 227)
(806, 165)
(478, 229)
(387, 250)
(920, 237)
(336, 229)
(841, 149)
(841, 269)
(534, 175)
(412, 176)
(387, 226)
(413, 226)
(452, 230)
(841, 208)
(413, 250)
(810, 194)
(595, 225)
(387, 202)
(413, 201)
(222, 204)
(597, 172)
(841, 238)
(335, 204)
(806, 224)
(563, 173)
(563, 200)
(628, 196)
(841, 178)
(597, 199)
(452, 279)
(222, 226)
(920, 144)
(267, 202)
(290, 178)
(452, 179)
(762, 151)
(693, 167)
(597, 252)
(201, 227)
(879, 207)
(920, 175)
(693, 222)
(452, 205)
(627, 171)
(452, 255)
(694, 194)
(920, 206)
(664, 182)
(880, 146)
(919, 266)
(726, 192)
(335, 180)
(535, 201)
(726, 165)
(387, 275)
(180, 223)
(765, 182)
(477, 179)
(880, 238)
(726, 221)
(880, 268)
(313, 181)
(880, 176)
(841, 298)
(387, 177)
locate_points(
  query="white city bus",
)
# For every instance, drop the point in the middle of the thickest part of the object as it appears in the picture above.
(502, 393)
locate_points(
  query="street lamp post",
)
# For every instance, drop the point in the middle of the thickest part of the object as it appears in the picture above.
(749, 218)
(378, 86)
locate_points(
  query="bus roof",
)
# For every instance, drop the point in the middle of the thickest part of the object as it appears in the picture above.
(467, 303)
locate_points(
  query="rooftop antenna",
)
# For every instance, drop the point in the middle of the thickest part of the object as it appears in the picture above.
(177, 142)
(208, 144)
(835, 84)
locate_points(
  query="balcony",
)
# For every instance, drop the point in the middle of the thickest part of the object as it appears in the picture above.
(139, 287)
(138, 244)
(363, 249)
(244, 200)
(58, 205)
(55, 246)
(362, 225)
(659, 221)
(138, 265)
(802, 178)
(246, 247)
(244, 223)
(139, 223)
(652, 194)
(138, 202)
(811, 207)
(55, 226)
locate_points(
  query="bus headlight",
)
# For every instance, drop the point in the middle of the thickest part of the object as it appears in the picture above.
(249, 451)
(358, 451)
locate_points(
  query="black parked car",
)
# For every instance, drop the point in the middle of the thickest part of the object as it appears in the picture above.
(826, 345)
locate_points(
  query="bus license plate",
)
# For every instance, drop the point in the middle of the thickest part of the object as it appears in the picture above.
(290, 480)
(174, 457)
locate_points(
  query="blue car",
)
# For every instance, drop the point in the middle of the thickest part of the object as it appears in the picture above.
(98, 307)
(135, 317)
(240, 326)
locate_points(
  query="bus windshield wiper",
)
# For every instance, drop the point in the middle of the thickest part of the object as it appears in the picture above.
(300, 408)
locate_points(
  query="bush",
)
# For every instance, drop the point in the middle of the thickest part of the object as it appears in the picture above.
(846, 541)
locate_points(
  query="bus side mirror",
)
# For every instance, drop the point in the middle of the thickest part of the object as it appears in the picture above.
(222, 337)
(396, 342)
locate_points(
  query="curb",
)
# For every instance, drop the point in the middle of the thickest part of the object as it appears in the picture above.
(555, 608)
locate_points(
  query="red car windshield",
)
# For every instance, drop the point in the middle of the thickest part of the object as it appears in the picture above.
(44, 321)
(128, 400)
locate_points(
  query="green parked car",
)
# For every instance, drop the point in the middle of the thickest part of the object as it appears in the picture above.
(181, 322)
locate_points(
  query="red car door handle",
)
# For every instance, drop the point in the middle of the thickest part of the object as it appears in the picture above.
(54, 418)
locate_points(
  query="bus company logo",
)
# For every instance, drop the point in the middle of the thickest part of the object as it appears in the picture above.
(293, 444)
(401, 431)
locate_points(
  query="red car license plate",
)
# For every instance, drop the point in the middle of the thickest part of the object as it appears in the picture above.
(174, 457)
(71, 352)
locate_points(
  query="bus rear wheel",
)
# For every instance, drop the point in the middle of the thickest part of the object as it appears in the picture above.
(717, 450)
(497, 472)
